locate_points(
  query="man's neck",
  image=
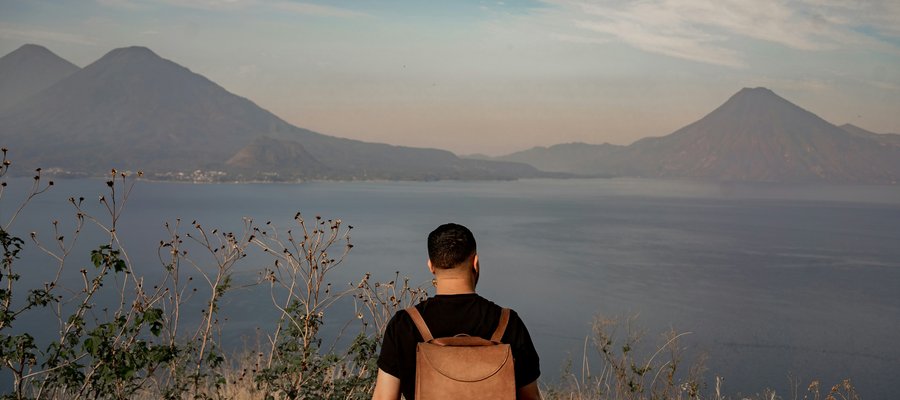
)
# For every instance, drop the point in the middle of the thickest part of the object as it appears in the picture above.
(453, 285)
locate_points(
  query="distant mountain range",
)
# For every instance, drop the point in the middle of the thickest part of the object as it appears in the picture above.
(132, 109)
(754, 136)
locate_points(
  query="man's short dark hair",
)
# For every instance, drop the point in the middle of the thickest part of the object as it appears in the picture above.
(449, 245)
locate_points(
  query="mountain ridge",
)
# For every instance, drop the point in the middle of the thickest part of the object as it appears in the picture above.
(132, 109)
(755, 135)
(892, 139)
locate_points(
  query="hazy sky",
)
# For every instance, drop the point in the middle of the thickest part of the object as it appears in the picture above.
(499, 76)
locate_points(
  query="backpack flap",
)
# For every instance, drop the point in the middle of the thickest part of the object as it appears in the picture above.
(464, 363)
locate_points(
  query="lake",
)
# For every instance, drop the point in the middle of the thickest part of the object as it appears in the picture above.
(769, 280)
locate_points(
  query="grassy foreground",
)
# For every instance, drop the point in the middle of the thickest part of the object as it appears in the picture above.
(110, 331)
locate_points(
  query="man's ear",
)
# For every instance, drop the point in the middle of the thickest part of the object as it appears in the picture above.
(477, 268)
(430, 266)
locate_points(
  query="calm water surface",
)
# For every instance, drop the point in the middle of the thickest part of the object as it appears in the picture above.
(769, 279)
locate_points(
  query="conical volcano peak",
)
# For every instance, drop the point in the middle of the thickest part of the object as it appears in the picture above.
(31, 46)
(32, 49)
(134, 66)
(758, 102)
(131, 53)
(757, 90)
(28, 70)
(34, 54)
(755, 94)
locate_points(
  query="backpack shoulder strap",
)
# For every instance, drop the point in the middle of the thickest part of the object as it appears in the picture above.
(420, 323)
(501, 326)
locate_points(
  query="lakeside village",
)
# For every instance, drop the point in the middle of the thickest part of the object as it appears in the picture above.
(196, 176)
(213, 176)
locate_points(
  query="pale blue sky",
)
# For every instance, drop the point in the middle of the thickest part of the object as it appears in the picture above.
(499, 76)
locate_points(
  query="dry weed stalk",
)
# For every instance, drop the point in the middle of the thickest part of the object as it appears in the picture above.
(381, 300)
(624, 374)
(297, 277)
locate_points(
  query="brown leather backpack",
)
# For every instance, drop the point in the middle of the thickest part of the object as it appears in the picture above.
(463, 367)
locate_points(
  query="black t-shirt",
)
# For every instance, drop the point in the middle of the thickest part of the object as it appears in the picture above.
(450, 315)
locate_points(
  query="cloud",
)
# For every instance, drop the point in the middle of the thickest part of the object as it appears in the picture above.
(707, 30)
(673, 40)
(213, 4)
(563, 37)
(880, 16)
(127, 4)
(304, 8)
(316, 9)
(40, 35)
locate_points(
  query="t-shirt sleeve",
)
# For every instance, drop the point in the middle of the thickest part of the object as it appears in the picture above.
(528, 365)
(389, 358)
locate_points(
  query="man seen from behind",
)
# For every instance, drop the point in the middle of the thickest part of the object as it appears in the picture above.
(455, 309)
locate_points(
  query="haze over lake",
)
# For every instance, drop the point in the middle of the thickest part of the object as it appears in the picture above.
(769, 279)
